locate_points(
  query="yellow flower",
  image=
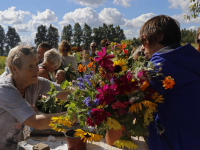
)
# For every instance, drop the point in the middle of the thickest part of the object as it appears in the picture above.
(136, 107)
(149, 104)
(87, 135)
(120, 65)
(61, 120)
(70, 83)
(56, 127)
(168, 83)
(113, 124)
(125, 143)
(148, 116)
(159, 99)
(61, 102)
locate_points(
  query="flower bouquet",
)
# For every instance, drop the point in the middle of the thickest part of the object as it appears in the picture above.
(116, 96)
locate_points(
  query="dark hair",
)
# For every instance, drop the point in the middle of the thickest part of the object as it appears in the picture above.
(104, 42)
(64, 44)
(44, 45)
(197, 35)
(161, 26)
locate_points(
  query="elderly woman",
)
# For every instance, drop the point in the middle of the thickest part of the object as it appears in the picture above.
(52, 60)
(19, 91)
(65, 49)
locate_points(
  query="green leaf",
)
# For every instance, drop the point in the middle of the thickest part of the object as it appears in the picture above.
(64, 84)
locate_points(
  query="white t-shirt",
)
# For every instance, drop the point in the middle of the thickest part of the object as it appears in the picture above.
(14, 109)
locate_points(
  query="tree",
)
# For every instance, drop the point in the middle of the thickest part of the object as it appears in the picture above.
(112, 33)
(52, 36)
(120, 34)
(77, 34)
(87, 35)
(97, 36)
(2, 40)
(194, 9)
(12, 38)
(41, 35)
(106, 32)
(67, 33)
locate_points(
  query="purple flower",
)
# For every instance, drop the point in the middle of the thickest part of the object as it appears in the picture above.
(89, 112)
(87, 101)
(81, 85)
(96, 101)
(112, 81)
(81, 80)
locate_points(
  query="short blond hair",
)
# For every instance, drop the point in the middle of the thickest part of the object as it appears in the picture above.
(53, 56)
(15, 57)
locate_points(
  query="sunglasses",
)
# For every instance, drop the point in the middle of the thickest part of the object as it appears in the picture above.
(93, 46)
(106, 45)
(65, 50)
(198, 41)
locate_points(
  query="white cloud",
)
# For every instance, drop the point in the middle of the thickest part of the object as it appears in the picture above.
(82, 15)
(129, 34)
(139, 21)
(22, 27)
(183, 4)
(92, 3)
(180, 18)
(11, 16)
(45, 17)
(124, 3)
(111, 16)
(192, 27)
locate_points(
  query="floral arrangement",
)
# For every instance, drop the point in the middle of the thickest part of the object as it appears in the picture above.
(116, 95)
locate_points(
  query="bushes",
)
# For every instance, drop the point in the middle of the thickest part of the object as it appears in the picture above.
(2, 62)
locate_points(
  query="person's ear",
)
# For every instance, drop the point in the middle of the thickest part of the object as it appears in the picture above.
(14, 69)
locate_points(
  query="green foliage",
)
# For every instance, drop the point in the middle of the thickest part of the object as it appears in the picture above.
(52, 36)
(2, 40)
(66, 33)
(188, 36)
(77, 34)
(41, 35)
(194, 9)
(87, 36)
(12, 38)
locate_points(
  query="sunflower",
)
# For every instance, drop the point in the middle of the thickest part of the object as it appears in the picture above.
(120, 65)
(159, 99)
(113, 124)
(154, 95)
(148, 117)
(61, 120)
(125, 143)
(87, 135)
(56, 127)
(168, 83)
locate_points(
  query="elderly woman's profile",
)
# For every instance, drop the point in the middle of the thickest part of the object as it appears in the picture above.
(19, 91)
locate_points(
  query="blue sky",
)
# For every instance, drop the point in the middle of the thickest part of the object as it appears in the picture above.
(26, 15)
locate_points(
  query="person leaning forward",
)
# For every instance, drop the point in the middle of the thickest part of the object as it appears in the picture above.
(176, 122)
(19, 91)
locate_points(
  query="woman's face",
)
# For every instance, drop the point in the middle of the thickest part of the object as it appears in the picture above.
(65, 51)
(28, 72)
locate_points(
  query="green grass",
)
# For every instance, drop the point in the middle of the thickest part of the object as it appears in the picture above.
(1, 71)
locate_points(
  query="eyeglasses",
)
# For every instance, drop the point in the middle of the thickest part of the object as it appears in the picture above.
(65, 50)
(198, 41)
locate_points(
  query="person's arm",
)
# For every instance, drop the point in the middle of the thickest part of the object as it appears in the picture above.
(41, 121)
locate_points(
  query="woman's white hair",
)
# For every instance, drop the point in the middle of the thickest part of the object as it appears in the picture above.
(53, 56)
(15, 56)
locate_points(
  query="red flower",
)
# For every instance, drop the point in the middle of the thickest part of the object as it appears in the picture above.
(104, 59)
(118, 105)
(106, 94)
(99, 115)
(90, 122)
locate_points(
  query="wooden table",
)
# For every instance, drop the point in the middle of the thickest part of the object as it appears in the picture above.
(98, 145)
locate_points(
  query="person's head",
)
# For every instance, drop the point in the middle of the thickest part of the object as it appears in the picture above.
(52, 60)
(65, 48)
(86, 54)
(41, 49)
(93, 47)
(158, 32)
(198, 39)
(105, 43)
(60, 76)
(23, 64)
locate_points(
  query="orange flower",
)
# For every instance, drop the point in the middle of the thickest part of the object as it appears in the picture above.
(81, 68)
(144, 85)
(90, 64)
(168, 83)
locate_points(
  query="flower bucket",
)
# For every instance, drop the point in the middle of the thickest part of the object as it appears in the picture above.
(74, 143)
(113, 135)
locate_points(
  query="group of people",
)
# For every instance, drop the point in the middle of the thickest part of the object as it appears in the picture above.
(176, 123)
